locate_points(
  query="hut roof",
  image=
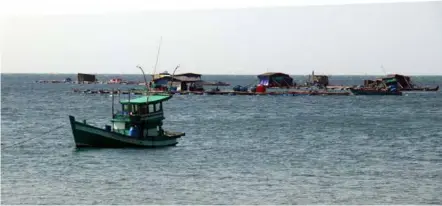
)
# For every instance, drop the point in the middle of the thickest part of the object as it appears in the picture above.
(187, 79)
(164, 73)
(268, 74)
(179, 79)
(168, 78)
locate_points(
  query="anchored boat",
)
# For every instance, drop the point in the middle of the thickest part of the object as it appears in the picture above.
(380, 87)
(139, 124)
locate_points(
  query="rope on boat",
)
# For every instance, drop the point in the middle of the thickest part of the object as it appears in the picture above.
(51, 130)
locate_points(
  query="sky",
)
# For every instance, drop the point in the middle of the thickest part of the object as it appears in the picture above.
(221, 37)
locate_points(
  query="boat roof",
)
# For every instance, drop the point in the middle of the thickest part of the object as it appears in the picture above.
(164, 73)
(146, 99)
(189, 74)
(396, 75)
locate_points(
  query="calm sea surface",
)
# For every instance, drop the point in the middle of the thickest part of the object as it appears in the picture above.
(237, 149)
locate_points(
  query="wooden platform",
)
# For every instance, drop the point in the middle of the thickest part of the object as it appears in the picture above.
(285, 93)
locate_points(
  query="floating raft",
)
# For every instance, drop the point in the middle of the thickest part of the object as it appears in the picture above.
(141, 92)
(122, 83)
(105, 91)
(77, 82)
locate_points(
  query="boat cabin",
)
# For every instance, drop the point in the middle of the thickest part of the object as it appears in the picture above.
(145, 114)
(160, 75)
(401, 80)
(318, 80)
(321, 80)
(375, 84)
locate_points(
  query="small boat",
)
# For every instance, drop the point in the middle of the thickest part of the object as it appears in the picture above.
(218, 83)
(365, 91)
(428, 89)
(402, 82)
(139, 124)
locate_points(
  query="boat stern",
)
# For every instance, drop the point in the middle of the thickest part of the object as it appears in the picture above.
(172, 134)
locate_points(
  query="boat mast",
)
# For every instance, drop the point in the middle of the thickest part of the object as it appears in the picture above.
(383, 69)
(158, 55)
(113, 103)
(313, 75)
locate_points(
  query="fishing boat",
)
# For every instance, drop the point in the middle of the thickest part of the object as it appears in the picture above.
(379, 87)
(425, 89)
(402, 82)
(139, 124)
(405, 83)
(369, 91)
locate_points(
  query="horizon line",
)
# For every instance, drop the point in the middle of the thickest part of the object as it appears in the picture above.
(230, 74)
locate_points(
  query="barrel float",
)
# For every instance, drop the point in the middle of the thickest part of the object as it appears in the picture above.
(260, 88)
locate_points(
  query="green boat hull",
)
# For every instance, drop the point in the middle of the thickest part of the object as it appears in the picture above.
(373, 92)
(89, 136)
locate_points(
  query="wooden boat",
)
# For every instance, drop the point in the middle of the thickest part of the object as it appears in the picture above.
(218, 83)
(429, 89)
(364, 91)
(402, 82)
(139, 124)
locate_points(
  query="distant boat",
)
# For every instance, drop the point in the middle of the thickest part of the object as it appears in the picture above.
(218, 83)
(406, 84)
(403, 83)
(139, 124)
(429, 89)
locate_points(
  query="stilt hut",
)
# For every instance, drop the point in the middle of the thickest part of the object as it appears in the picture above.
(88, 78)
(185, 82)
(275, 79)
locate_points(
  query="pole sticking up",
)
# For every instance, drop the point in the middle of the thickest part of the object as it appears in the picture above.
(144, 75)
(383, 69)
(158, 55)
(113, 103)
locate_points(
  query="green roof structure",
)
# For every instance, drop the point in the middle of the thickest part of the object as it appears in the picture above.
(147, 99)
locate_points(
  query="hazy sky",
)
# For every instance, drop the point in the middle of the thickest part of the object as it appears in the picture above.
(340, 39)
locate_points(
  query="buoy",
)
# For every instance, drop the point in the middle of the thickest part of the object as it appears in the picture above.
(260, 88)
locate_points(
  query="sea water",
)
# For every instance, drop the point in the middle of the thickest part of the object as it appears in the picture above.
(237, 149)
